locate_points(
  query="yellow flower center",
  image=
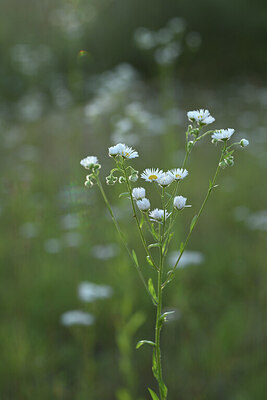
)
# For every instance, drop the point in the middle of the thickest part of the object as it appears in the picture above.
(178, 176)
(151, 177)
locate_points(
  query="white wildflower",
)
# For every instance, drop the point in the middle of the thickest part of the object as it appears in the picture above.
(138, 193)
(122, 150)
(165, 179)
(151, 174)
(158, 215)
(244, 142)
(179, 173)
(89, 292)
(222, 134)
(89, 162)
(77, 317)
(128, 152)
(113, 151)
(179, 202)
(143, 205)
(201, 116)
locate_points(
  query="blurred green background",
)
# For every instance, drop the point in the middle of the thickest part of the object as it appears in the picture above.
(76, 77)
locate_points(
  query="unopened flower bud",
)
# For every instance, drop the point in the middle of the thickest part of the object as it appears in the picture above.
(244, 142)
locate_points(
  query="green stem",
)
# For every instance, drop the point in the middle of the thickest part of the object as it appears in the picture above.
(136, 218)
(159, 306)
(211, 186)
(99, 184)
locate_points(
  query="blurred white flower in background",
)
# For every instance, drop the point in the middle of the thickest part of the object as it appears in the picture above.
(89, 292)
(188, 258)
(77, 317)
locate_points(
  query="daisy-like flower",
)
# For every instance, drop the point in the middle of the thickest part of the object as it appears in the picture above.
(165, 179)
(201, 116)
(138, 193)
(244, 142)
(122, 150)
(179, 202)
(143, 205)
(158, 215)
(222, 134)
(151, 174)
(179, 173)
(89, 162)
(128, 152)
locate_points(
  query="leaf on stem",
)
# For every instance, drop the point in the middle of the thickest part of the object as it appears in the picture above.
(135, 258)
(181, 247)
(164, 316)
(152, 290)
(193, 222)
(155, 366)
(154, 245)
(124, 194)
(153, 394)
(141, 342)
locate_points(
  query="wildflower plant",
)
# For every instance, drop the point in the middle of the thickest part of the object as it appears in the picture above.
(156, 225)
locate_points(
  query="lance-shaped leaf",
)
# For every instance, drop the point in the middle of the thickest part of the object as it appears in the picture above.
(152, 290)
(153, 394)
(135, 258)
(141, 342)
(193, 222)
(154, 245)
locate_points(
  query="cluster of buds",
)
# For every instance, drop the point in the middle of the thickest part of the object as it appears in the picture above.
(91, 163)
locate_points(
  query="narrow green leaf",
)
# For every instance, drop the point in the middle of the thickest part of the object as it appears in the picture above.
(135, 258)
(155, 366)
(141, 342)
(149, 261)
(124, 194)
(181, 247)
(154, 245)
(142, 220)
(164, 316)
(152, 290)
(193, 222)
(163, 389)
(153, 394)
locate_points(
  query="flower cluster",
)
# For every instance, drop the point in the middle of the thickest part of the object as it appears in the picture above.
(201, 117)
(123, 151)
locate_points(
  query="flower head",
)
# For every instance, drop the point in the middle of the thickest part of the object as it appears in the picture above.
(179, 202)
(122, 150)
(165, 179)
(90, 162)
(179, 173)
(143, 205)
(201, 116)
(138, 193)
(222, 134)
(113, 151)
(151, 174)
(158, 215)
(244, 142)
(128, 152)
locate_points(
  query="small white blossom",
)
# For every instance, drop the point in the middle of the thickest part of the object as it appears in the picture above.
(179, 173)
(89, 162)
(151, 174)
(128, 152)
(143, 205)
(165, 179)
(222, 134)
(113, 151)
(201, 116)
(244, 142)
(122, 150)
(179, 202)
(90, 292)
(138, 193)
(77, 317)
(158, 215)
